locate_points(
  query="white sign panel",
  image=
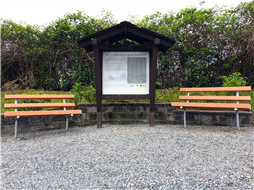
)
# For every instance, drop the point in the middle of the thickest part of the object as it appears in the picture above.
(125, 73)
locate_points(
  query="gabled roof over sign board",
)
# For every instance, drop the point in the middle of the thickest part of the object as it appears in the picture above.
(126, 30)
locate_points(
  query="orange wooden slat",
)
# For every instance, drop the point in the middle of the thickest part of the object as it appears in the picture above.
(41, 113)
(38, 105)
(212, 105)
(217, 89)
(29, 97)
(216, 98)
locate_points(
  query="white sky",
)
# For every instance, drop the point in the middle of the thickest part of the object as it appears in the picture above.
(42, 12)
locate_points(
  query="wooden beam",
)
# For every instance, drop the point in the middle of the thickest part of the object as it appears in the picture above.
(125, 97)
(109, 47)
(97, 80)
(153, 80)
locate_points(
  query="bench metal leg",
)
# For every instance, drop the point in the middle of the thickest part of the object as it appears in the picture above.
(16, 128)
(237, 120)
(184, 118)
(67, 121)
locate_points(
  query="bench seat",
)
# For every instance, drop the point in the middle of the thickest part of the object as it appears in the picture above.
(246, 107)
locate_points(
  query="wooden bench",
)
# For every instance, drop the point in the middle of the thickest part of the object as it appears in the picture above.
(234, 106)
(17, 114)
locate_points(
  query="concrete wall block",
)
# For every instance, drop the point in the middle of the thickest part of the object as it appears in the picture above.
(143, 108)
(84, 109)
(91, 109)
(84, 116)
(143, 116)
(161, 109)
(169, 117)
(178, 115)
(209, 119)
(106, 108)
(114, 108)
(110, 116)
(34, 127)
(1, 118)
(245, 120)
(160, 115)
(85, 120)
(75, 118)
(170, 108)
(7, 121)
(92, 116)
(9, 129)
(84, 106)
(126, 116)
(132, 108)
(122, 108)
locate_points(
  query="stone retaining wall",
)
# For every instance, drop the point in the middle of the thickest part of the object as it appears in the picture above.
(126, 113)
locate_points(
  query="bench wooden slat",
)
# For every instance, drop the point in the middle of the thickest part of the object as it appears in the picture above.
(38, 105)
(216, 98)
(212, 105)
(217, 89)
(29, 97)
(41, 113)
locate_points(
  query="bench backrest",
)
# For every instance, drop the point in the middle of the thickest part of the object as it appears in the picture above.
(38, 105)
(31, 97)
(217, 89)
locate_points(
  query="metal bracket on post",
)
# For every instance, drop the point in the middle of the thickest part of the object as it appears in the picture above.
(188, 94)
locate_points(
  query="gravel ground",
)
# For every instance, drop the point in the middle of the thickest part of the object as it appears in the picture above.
(129, 157)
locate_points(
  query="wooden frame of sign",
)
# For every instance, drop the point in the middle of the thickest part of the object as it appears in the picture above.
(106, 40)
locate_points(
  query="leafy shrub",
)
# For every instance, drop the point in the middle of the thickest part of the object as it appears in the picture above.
(90, 93)
(80, 92)
(233, 80)
(167, 95)
(77, 90)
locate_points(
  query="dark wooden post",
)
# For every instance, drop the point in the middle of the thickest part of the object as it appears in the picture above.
(97, 80)
(153, 80)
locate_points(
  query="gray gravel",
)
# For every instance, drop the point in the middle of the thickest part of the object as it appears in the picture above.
(129, 157)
